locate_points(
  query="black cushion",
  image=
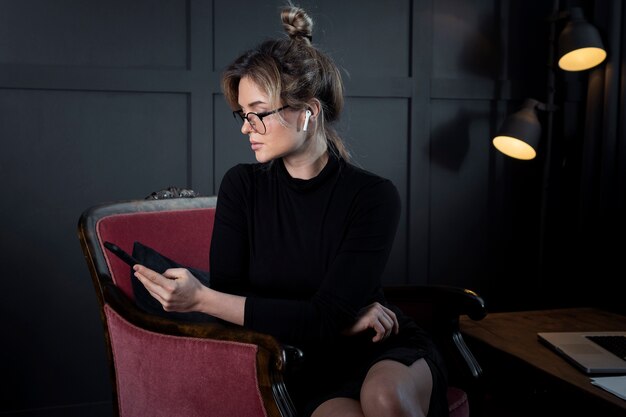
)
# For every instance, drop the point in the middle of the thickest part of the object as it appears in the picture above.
(160, 263)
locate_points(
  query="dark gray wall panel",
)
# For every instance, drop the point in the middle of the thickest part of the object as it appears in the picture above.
(65, 151)
(366, 37)
(460, 178)
(465, 38)
(108, 144)
(117, 33)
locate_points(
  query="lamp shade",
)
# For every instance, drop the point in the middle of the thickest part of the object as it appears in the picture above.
(520, 133)
(580, 44)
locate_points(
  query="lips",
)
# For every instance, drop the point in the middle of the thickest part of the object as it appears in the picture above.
(255, 145)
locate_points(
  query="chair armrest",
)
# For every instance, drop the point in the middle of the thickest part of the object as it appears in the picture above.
(272, 357)
(210, 330)
(437, 309)
(456, 300)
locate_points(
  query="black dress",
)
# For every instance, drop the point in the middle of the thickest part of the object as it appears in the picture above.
(308, 255)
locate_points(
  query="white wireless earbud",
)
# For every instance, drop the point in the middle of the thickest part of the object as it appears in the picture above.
(307, 116)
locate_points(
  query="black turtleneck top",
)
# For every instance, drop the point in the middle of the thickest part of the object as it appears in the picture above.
(307, 254)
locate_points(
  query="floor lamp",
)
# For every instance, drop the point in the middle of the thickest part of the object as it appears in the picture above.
(579, 48)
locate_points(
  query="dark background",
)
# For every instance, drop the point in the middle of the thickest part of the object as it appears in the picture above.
(103, 101)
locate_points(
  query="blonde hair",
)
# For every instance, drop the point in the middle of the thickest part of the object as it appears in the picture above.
(292, 71)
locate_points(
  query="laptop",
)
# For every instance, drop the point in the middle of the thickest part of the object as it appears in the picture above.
(585, 350)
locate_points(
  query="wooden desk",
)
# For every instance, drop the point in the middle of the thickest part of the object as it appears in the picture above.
(515, 334)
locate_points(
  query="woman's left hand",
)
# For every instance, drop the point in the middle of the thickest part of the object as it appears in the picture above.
(378, 318)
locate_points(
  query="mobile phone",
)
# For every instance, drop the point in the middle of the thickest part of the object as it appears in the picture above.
(120, 253)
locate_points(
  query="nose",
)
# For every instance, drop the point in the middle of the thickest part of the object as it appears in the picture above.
(246, 127)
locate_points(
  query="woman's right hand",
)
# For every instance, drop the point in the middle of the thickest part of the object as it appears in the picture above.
(378, 318)
(176, 289)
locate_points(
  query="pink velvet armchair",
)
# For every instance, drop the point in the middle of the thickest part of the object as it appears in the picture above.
(168, 367)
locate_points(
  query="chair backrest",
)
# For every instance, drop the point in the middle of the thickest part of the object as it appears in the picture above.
(179, 228)
(162, 367)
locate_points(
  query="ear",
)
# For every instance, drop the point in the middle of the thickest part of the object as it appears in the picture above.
(311, 113)
(314, 106)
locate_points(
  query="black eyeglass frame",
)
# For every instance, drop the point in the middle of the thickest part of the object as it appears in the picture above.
(244, 117)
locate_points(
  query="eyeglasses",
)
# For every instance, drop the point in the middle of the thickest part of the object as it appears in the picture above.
(256, 119)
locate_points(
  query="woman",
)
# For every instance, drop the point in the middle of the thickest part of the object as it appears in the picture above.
(300, 242)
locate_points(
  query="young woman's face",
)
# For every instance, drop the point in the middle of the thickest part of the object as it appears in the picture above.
(282, 137)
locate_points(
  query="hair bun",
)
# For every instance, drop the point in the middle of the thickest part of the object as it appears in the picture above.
(297, 23)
